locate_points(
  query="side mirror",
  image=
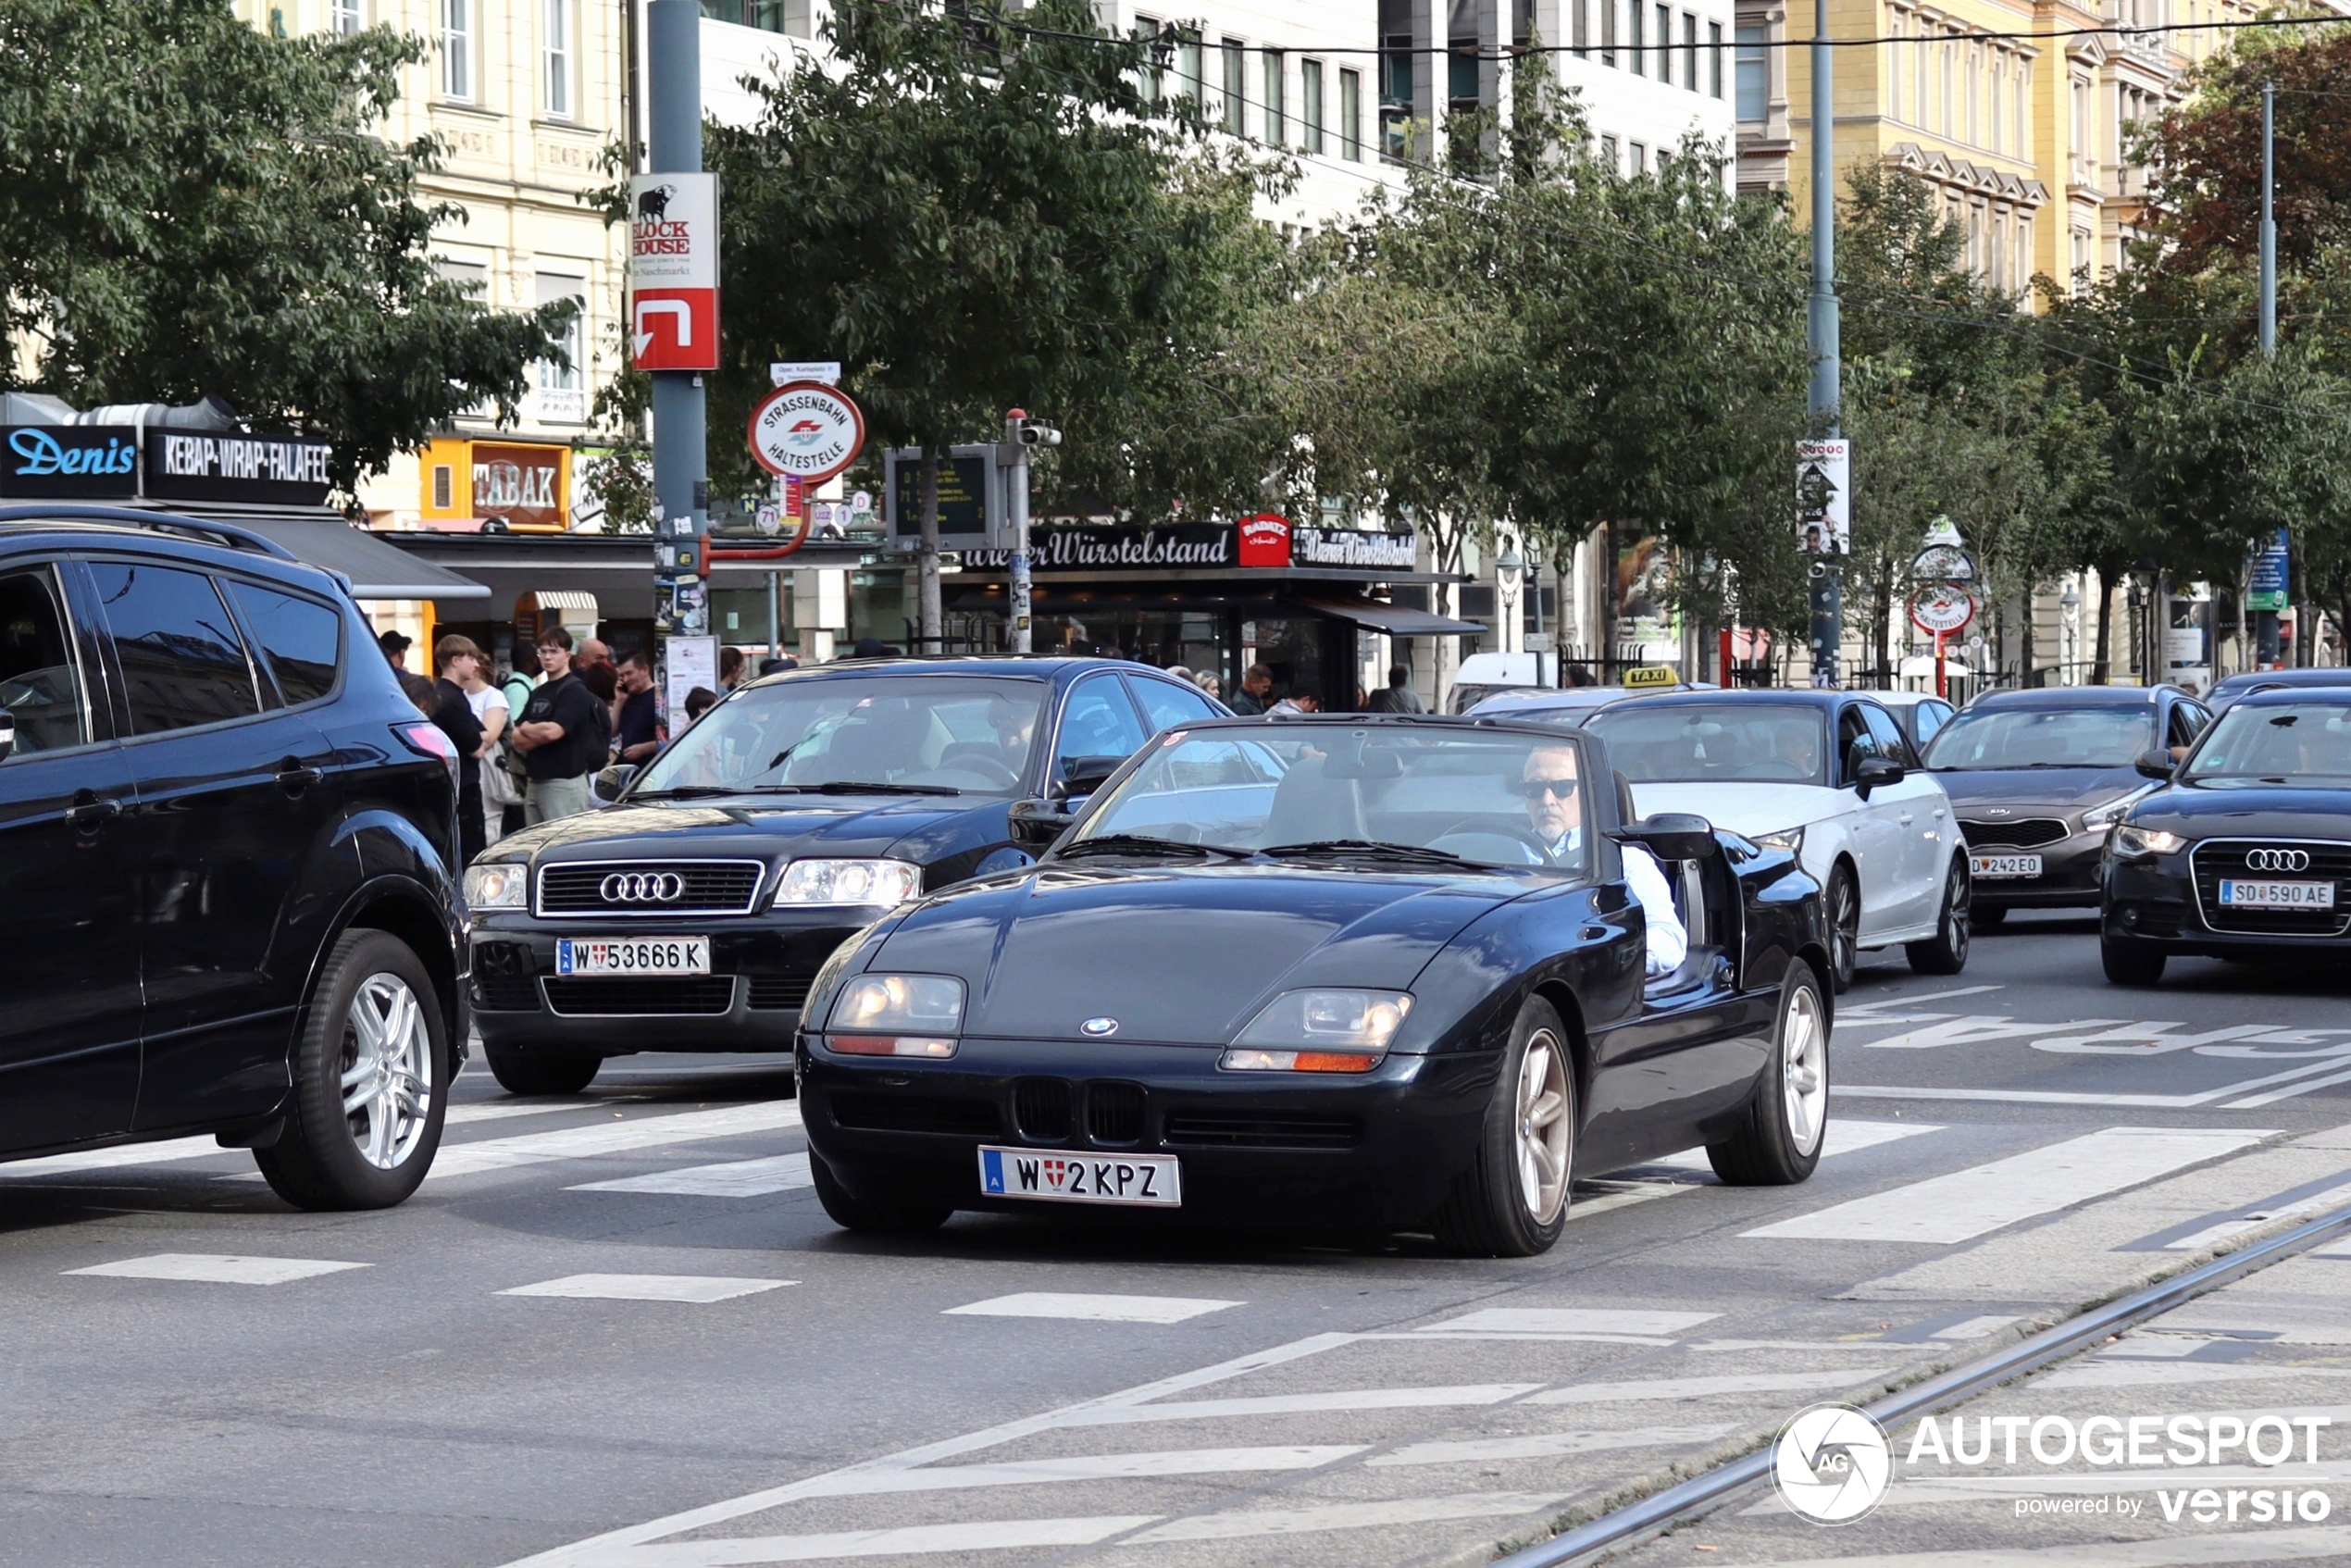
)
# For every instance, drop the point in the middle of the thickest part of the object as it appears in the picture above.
(1036, 823)
(613, 780)
(1876, 772)
(1674, 834)
(7, 734)
(2154, 762)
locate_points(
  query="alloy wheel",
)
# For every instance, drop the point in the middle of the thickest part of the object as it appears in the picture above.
(1846, 922)
(1544, 1128)
(387, 1071)
(1804, 1069)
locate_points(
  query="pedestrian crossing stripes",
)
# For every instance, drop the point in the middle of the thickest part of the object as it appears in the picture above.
(1965, 1204)
(733, 1178)
(1093, 1309)
(698, 1290)
(211, 1268)
(620, 1137)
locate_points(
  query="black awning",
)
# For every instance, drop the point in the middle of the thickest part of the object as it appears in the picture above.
(376, 569)
(1396, 621)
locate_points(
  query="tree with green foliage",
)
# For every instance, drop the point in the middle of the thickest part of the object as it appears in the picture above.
(190, 206)
(972, 209)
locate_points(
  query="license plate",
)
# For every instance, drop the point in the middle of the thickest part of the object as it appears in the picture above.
(2005, 865)
(632, 955)
(2278, 895)
(1152, 1180)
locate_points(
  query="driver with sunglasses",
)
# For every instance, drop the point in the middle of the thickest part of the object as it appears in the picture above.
(1548, 782)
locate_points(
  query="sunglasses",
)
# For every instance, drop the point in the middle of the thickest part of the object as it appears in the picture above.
(1535, 789)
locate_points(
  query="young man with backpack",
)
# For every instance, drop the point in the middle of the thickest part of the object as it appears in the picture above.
(564, 734)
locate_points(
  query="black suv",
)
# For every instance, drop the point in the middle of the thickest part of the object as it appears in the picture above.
(225, 842)
(692, 912)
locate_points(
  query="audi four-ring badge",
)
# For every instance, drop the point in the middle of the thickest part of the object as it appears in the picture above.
(2242, 849)
(693, 911)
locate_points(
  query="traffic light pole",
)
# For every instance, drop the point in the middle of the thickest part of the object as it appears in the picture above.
(1820, 319)
(1016, 501)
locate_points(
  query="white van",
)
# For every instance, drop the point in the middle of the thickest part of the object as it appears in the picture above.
(1483, 675)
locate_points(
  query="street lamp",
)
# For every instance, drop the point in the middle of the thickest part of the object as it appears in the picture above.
(1509, 566)
(2069, 603)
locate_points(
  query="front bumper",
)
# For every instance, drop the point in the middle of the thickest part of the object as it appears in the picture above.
(2155, 900)
(761, 969)
(1378, 1151)
(2068, 877)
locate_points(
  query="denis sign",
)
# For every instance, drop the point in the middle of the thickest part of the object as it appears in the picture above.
(86, 461)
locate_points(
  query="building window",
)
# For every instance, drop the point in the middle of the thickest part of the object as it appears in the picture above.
(1276, 129)
(1608, 153)
(1579, 26)
(1236, 86)
(2024, 109)
(346, 19)
(1394, 94)
(558, 58)
(457, 48)
(1188, 68)
(1640, 158)
(1350, 116)
(1147, 79)
(1607, 31)
(1310, 103)
(444, 487)
(1751, 67)
(1714, 59)
(1689, 51)
(1665, 62)
(1633, 50)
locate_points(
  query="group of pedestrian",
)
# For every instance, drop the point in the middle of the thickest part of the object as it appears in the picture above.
(1256, 693)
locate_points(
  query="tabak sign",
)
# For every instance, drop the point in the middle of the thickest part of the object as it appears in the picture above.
(522, 484)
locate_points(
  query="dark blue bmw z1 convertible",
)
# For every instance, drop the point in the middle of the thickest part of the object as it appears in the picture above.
(1379, 973)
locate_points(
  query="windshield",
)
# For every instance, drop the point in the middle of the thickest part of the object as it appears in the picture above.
(1729, 743)
(937, 733)
(2043, 737)
(1493, 799)
(2304, 741)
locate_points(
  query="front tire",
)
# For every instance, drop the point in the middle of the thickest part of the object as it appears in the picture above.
(1987, 916)
(1511, 1202)
(1844, 927)
(370, 1074)
(1779, 1142)
(2129, 962)
(1946, 952)
(542, 1072)
(871, 1216)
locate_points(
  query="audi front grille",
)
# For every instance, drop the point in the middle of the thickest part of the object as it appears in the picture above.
(637, 889)
(2273, 860)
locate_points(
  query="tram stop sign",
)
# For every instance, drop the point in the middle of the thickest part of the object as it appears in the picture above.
(1942, 607)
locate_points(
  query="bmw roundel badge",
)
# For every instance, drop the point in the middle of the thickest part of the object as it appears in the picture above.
(1097, 1028)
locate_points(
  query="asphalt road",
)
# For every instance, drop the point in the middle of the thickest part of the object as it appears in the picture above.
(618, 1330)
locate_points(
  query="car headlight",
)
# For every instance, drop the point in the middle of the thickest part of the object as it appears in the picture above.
(898, 1015)
(881, 883)
(498, 887)
(1318, 1031)
(1788, 839)
(2137, 843)
(2114, 811)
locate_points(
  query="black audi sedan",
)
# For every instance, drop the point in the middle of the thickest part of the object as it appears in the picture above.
(692, 912)
(2242, 852)
(1363, 973)
(2038, 779)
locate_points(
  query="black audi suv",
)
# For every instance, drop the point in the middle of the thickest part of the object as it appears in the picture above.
(2038, 779)
(692, 912)
(227, 852)
(2244, 849)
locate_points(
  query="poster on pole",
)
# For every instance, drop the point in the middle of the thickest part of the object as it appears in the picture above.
(2266, 575)
(691, 662)
(1824, 497)
(673, 271)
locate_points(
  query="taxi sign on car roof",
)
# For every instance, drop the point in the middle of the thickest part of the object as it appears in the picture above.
(1645, 678)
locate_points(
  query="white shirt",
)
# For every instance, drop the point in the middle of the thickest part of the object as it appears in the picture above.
(481, 702)
(1669, 943)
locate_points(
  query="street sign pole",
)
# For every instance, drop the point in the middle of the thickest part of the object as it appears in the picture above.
(1016, 502)
(682, 482)
(1827, 582)
(1942, 680)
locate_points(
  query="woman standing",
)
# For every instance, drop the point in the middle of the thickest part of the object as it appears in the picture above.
(497, 792)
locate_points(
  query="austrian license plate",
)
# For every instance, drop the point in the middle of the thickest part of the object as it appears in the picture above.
(1983, 866)
(2276, 895)
(632, 955)
(1152, 1180)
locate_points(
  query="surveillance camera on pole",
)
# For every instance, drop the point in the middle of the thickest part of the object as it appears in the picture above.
(1021, 433)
